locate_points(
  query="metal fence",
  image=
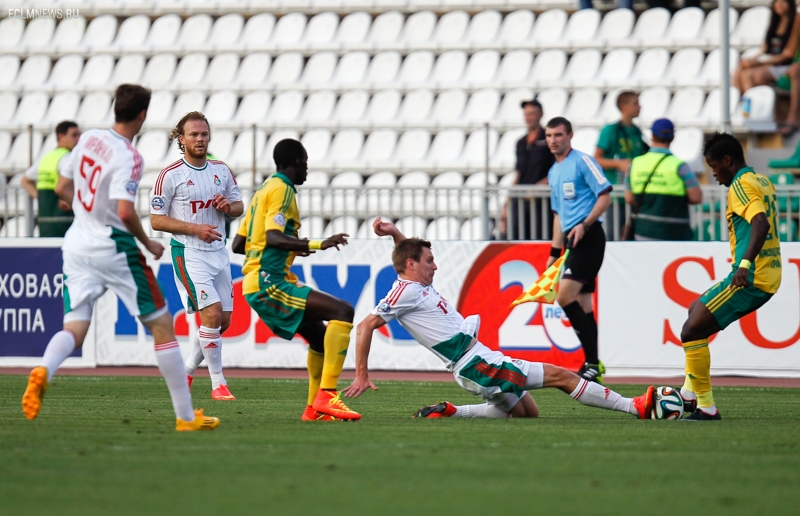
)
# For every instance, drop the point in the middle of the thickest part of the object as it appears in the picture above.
(437, 213)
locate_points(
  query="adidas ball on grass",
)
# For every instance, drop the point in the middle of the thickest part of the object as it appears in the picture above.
(667, 404)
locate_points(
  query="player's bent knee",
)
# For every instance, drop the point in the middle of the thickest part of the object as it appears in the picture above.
(211, 316)
(160, 326)
(345, 312)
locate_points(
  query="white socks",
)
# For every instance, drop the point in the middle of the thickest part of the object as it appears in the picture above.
(483, 410)
(194, 359)
(595, 395)
(211, 344)
(58, 349)
(170, 363)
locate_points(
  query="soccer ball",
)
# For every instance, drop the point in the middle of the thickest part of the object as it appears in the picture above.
(667, 404)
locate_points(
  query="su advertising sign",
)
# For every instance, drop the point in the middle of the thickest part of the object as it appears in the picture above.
(644, 290)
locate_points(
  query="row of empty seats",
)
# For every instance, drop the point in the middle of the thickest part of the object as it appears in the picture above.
(349, 149)
(358, 70)
(390, 30)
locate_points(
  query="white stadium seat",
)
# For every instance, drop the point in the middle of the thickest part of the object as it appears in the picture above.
(10, 66)
(549, 27)
(417, 105)
(241, 156)
(617, 68)
(94, 108)
(254, 69)
(253, 108)
(472, 229)
(449, 67)
(449, 105)
(416, 67)
(226, 31)
(515, 65)
(584, 105)
(221, 143)
(684, 67)
(289, 29)
(650, 68)
(11, 30)
(609, 112)
(654, 102)
(195, 31)
(505, 152)
(266, 158)
(161, 103)
(451, 27)
(384, 104)
(581, 27)
(650, 27)
(482, 105)
(34, 71)
(8, 106)
(582, 67)
(482, 66)
(377, 198)
(474, 154)
(554, 102)
(548, 67)
(384, 67)
(18, 157)
(311, 227)
(446, 147)
(709, 74)
(286, 68)
(286, 106)
(445, 198)
(418, 27)
(585, 140)
(97, 72)
(69, 33)
(222, 69)
(444, 228)
(365, 230)
(191, 70)
(317, 142)
(129, 69)
(347, 224)
(321, 29)
(159, 70)
(351, 107)
(131, 36)
(711, 113)
(319, 68)
(685, 26)
(412, 146)
(686, 104)
(379, 146)
(307, 202)
(516, 26)
(413, 226)
(258, 30)
(64, 106)
(5, 145)
(163, 32)
(386, 28)
(471, 204)
(65, 72)
(318, 106)
(188, 101)
(152, 145)
(352, 69)
(32, 108)
(343, 199)
(709, 34)
(484, 26)
(752, 26)
(616, 26)
(353, 28)
(762, 109)
(688, 145)
(410, 196)
(38, 32)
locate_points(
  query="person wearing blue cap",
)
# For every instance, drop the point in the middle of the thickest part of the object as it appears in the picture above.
(660, 187)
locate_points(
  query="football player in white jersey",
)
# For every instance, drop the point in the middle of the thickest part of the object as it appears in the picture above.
(100, 253)
(501, 381)
(190, 200)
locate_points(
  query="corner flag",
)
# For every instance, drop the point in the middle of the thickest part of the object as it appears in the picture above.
(544, 290)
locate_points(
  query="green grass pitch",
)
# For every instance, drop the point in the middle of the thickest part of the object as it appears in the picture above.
(107, 445)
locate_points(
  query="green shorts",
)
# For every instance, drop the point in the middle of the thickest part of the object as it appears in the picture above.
(281, 305)
(729, 305)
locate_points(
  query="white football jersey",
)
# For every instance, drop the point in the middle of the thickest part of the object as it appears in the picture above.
(430, 319)
(104, 168)
(184, 192)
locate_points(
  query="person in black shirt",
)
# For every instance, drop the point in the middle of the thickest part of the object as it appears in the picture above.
(534, 160)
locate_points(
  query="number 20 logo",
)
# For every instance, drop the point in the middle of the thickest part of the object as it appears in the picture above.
(93, 173)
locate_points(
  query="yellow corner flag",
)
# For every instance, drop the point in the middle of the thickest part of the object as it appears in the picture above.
(544, 290)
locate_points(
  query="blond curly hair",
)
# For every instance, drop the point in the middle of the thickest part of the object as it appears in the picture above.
(178, 129)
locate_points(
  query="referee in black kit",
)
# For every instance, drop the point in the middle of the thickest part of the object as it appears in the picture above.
(534, 159)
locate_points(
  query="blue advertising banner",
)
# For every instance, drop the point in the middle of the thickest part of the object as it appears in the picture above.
(31, 300)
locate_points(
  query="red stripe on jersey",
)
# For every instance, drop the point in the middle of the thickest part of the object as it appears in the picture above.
(220, 162)
(395, 294)
(160, 179)
(138, 163)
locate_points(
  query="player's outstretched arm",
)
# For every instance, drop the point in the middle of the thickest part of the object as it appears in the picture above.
(206, 232)
(127, 213)
(759, 229)
(279, 240)
(382, 228)
(363, 343)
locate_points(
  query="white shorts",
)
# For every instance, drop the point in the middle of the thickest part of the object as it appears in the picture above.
(500, 380)
(203, 277)
(126, 273)
(778, 70)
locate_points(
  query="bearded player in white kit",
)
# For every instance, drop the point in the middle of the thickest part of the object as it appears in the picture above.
(100, 253)
(190, 200)
(501, 381)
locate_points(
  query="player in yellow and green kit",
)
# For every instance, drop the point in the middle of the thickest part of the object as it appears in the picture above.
(268, 238)
(756, 272)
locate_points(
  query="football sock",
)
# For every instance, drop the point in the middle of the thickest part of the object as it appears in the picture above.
(595, 395)
(337, 339)
(698, 369)
(58, 349)
(170, 363)
(314, 362)
(195, 358)
(583, 329)
(687, 391)
(211, 344)
(593, 325)
(482, 410)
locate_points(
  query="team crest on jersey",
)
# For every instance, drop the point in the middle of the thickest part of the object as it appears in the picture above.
(131, 187)
(216, 180)
(203, 295)
(384, 308)
(280, 219)
(157, 203)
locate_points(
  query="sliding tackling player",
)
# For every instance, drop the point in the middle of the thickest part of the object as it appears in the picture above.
(501, 381)
(190, 200)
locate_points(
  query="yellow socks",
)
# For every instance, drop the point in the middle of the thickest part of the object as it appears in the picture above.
(337, 339)
(698, 371)
(314, 361)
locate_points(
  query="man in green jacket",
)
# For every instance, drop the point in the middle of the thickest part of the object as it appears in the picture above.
(660, 187)
(55, 216)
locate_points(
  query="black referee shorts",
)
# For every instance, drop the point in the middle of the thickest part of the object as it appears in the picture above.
(585, 259)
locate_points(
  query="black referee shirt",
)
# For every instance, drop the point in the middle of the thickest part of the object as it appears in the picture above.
(534, 160)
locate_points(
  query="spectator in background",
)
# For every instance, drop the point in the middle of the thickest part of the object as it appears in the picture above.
(660, 187)
(55, 215)
(534, 160)
(623, 4)
(777, 51)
